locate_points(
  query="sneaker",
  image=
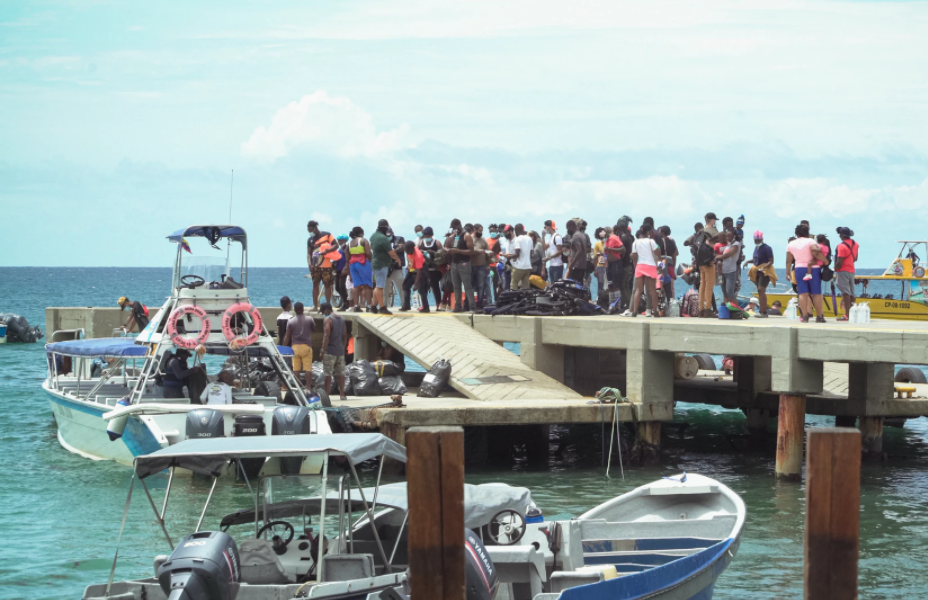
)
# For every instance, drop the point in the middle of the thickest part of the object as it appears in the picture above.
(808, 277)
(628, 313)
(761, 315)
(404, 309)
(372, 309)
(343, 309)
(356, 309)
(424, 310)
(458, 310)
(384, 311)
(820, 320)
(842, 318)
(648, 313)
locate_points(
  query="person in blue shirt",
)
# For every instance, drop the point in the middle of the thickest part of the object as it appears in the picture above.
(763, 257)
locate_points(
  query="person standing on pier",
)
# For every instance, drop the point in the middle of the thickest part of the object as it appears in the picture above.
(705, 260)
(300, 338)
(395, 275)
(460, 245)
(479, 261)
(382, 256)
(359, 269)
(417, 278)
(846, 254)
(763, 270)
(645, 256)
(334, 337)
(283, 318)
(728, 262)
(341, 271)
(671, 251)
(807, 256)
(520, 258)
(429, 247)
(321, 250)
(576, 264)
(555, 250)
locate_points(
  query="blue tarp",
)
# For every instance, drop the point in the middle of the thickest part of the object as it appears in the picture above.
(117, 347)
(232, 231)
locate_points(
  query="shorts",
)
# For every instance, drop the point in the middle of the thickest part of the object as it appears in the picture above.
(645, 271)
(729, 285)
(762, 281)
(302, 358)
(380, 277)
(813, 286)
(331, 362)
(324, 274)
(845, 282)
(360, 274)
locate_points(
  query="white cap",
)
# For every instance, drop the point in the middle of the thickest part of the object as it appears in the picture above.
(753, 300)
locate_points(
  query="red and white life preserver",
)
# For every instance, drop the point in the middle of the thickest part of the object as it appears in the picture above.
(178, 338)
(255, 318)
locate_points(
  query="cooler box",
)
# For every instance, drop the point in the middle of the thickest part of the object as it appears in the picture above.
(724, 313)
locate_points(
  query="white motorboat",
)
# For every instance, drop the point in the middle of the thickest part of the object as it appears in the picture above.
(105, 393)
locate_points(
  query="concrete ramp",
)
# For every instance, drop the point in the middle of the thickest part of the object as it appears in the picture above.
(481, 369)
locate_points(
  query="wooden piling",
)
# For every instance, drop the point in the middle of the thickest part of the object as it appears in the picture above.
(647, 448)
(832, 514)
(790, 431)
(435, 456)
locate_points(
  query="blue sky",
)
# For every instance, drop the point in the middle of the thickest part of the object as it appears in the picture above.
(122, 121)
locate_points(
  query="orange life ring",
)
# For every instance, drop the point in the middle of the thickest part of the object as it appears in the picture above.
(255, 318)
(178, 338)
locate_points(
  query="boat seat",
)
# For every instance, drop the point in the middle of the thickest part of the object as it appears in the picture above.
(260, 564)
(347, 567)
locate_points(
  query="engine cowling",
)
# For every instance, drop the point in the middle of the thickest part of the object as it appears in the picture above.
(203, 566)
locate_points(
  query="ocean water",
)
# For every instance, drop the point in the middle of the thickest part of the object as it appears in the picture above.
(62, 513)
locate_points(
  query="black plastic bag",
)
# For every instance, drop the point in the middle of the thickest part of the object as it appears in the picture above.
(386, 368)
(435, 380)
(392, 385)
(364, 380)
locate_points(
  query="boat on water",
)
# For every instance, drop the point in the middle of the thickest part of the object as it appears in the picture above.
(906, 270)
(106, 394)
(324, 535)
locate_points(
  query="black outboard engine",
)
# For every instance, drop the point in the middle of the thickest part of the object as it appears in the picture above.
(203, 566)
(480, 575)
(248, 426)
(290, 420)
(205, 423)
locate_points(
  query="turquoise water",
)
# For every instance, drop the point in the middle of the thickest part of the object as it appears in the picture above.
(62, 512)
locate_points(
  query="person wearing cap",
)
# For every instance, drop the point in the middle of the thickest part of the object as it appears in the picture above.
(321, 250)
(334, 340)
(138, 314)
(382, 256)
(708, 236)
(754, 306)
(846, 257)
(554, 251)
(283, 318)
(430, 247)
(761, 270)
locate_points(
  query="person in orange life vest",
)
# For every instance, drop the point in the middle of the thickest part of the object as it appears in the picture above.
(138, 314)
(321, 252)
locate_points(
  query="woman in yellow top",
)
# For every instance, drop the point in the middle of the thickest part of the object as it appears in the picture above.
(599, 258)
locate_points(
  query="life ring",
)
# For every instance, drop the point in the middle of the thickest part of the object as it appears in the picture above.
(178, 338)
(919, 272)
(255, 318)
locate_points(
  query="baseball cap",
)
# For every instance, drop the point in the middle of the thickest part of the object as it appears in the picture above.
(122, 300)
(758, 234)
(551, 224)
(342, 237)
(711, 215)
(845, 231)
(382, 223)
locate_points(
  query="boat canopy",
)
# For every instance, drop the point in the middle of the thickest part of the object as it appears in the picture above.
(481, 503)
(222, 349)
(114, 347)
(225, 231)
(208, 456)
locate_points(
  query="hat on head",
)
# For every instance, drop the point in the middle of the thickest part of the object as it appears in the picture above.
(428, 231)
(845, 231)
(382, 223)
(754, 300)
(122, 300)
(711, 215)
(758, 235)
(507, 228)
(551, 224)
(342, 237)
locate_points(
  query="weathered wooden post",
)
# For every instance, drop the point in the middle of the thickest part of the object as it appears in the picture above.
(790, 431)
(832, 514)
(435, 488)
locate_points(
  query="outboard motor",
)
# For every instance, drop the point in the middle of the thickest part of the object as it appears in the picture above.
(290, 420)
(203, 566)
(248, 426)
(205, 423)
(480, 575)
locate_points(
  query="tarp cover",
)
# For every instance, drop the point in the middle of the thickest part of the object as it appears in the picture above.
(481, 503)
(207, 456)
(117, 347)
(232, 231)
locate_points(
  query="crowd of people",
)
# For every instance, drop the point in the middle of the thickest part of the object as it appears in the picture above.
(635, 269)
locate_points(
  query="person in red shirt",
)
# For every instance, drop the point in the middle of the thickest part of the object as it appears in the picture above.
(417, 276)
(846, 254)
(613, 251)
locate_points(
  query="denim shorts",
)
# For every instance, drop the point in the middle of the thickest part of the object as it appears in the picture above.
(813, 286)
(380, 277)
(729, 285)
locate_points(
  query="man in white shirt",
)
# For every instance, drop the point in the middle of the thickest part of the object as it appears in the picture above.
(219, 392)
(520, 256)
(554, 249)
(283, 318)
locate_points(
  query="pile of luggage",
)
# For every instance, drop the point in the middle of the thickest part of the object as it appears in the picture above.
(562, 298)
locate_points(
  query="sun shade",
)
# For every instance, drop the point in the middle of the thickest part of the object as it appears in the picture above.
(208, 456)
(225, 231)
(116, 347)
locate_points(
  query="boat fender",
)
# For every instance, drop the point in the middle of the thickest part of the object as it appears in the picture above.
(255, 318)
(116, 426)
(179, 340)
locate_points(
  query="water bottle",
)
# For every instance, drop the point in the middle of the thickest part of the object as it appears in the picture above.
(865, 312)
(792, 310)
(855, 314)
(674, 308)
(533, 514)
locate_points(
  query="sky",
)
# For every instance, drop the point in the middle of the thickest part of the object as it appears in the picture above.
(123, 121)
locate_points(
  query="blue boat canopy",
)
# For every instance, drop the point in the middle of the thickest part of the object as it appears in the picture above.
(225, 231)
(114, 347)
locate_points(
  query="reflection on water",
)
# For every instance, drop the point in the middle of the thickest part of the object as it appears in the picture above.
(61, 512)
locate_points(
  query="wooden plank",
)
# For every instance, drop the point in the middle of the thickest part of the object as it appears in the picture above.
(435, 457)
(832, 539)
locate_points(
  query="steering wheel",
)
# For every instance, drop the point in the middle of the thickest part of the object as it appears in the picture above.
(271, 526)
(195, 281)
(506, 527)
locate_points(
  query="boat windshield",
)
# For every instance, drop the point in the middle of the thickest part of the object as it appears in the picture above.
(210, 268)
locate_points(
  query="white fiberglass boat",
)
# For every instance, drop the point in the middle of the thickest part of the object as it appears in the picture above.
(106, 394)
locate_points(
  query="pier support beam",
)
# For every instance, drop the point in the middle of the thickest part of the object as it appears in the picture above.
(649, 377)
(753, 375)
(791, 375)
(790, 436)
(871, 432)
(647, 448)
(547, 358)
(757, 427)
(365, 342)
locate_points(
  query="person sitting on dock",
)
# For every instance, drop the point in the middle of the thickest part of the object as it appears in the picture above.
(138, 314)
(334, 336)
(776, 309)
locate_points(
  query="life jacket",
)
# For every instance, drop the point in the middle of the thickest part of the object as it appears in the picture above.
(145, 308)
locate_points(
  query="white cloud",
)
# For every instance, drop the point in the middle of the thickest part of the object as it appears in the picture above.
(321, 123)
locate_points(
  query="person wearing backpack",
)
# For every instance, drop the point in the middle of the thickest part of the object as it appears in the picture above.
(705, 260)
(846, 255)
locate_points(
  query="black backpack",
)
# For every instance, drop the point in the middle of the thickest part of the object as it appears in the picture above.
(704, 252)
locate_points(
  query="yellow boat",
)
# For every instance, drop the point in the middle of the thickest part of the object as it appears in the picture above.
(911, 303)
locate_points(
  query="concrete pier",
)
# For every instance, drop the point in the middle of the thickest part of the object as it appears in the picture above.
(782, 368)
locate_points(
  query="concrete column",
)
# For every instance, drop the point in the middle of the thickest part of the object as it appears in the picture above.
(649, 375)
(365, 342)
(547, 358)
(757, 427)
(754, 375)
(789, 374)
(790, 436)
(871, 431)
(647, 449)
(869, 382)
